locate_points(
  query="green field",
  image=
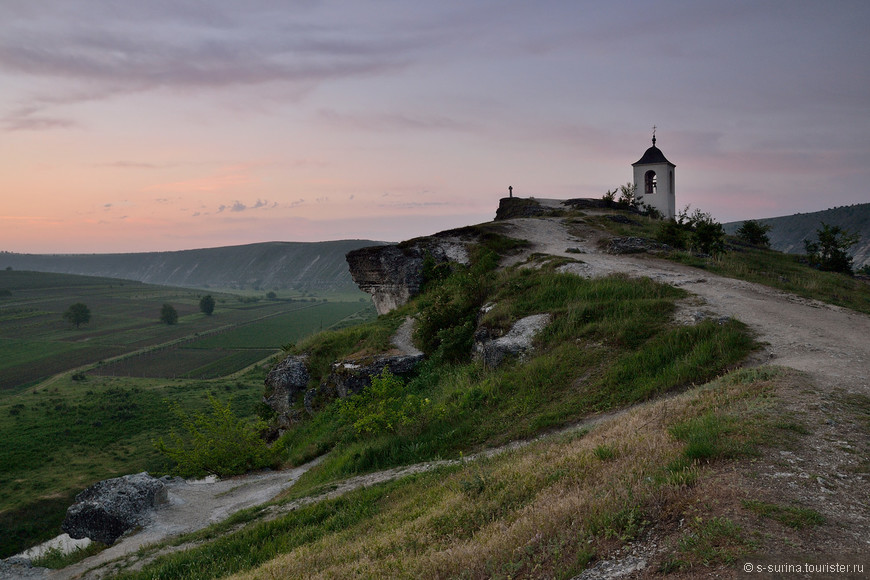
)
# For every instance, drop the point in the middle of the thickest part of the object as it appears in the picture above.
(36, 343)
(78, 405)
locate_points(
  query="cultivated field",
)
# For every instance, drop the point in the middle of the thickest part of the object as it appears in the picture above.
(78, 405)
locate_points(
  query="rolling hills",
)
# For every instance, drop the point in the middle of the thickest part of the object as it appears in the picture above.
(300, 266)
(789, 232)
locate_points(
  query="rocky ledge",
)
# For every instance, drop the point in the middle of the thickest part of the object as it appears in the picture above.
(107, 509)
(393, 274)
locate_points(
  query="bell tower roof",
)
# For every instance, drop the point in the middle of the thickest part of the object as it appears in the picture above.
(652, 155)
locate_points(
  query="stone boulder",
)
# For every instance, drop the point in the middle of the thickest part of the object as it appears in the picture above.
(349, 377)
(515, 342)
(284, 381)
(107, 509)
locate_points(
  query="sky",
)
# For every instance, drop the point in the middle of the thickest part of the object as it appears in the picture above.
(130, 126)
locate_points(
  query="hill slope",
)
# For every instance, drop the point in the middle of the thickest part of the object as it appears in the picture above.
(300, 266)
(789, 232)
(767, 460)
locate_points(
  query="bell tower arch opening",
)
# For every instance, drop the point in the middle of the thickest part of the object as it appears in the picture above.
(649, 180)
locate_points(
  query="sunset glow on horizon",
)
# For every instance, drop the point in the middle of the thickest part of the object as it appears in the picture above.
(168, 125)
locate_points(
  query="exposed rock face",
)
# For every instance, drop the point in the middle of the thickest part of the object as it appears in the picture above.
(107, 509)
(289, 377)
(349, 377)
(635, 245)
(393, 274)
(516, 342)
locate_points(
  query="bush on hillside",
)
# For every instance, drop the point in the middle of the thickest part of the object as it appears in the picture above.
(755, 233)
(830, 251)
(697, 231)
(382, 407)
(218, 443)
(168, 314)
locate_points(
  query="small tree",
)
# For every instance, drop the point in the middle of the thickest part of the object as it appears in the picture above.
(77, 314)
(218, 443)
(206, 304)
(168, 314)
(755, 233)
(830, 252)
(708, 236)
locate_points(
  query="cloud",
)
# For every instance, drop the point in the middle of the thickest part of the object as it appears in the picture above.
(238, 206)
(394, 121)
(131, 49)
(32, 119)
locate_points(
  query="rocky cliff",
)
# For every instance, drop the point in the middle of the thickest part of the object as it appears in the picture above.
(394, 273)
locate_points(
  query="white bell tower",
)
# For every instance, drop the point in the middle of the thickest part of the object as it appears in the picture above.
(654, 180)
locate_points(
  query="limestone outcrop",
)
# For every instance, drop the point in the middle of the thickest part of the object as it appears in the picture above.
(107, 509)
(515, 342)
(351, 376)
(393, 274)
(284, 381)
(635, 245)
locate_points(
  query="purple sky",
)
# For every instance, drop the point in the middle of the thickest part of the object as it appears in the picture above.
(171, 124)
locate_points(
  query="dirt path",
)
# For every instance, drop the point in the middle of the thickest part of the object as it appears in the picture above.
(192, 506)
(830, 344)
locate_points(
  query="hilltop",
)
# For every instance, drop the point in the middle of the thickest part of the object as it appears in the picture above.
(301, 266)
(788, 233)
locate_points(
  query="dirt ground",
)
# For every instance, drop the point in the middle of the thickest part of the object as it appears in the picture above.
(826, 471)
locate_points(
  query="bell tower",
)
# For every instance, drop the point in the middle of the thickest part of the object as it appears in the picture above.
(654, 180)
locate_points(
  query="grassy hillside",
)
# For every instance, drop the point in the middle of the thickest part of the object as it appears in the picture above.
(317, 267)
(788, 233)
(549, 508)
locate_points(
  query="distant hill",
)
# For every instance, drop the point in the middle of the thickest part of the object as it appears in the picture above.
(301, 266)
(789, 232)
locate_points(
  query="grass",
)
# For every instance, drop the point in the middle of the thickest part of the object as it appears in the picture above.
(107, 426)
(786, 272)
(611, 344)
(794, 517)
(548, 509)
(56, 559)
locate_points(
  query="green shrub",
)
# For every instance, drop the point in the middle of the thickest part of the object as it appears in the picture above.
(383, 407)
(754, 233)
(445, 325)
(830, 252)
(218, 443)
(672, 234)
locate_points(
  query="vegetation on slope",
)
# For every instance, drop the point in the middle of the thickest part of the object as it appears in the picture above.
(787, 272)
(544, 510)
(611, 343)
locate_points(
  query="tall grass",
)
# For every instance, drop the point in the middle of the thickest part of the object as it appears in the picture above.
(545, 510)
(611, 343)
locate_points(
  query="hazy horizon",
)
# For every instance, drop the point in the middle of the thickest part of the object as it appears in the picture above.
(165, 126)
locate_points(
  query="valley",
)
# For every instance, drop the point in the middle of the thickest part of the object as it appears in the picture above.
(101, 389)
